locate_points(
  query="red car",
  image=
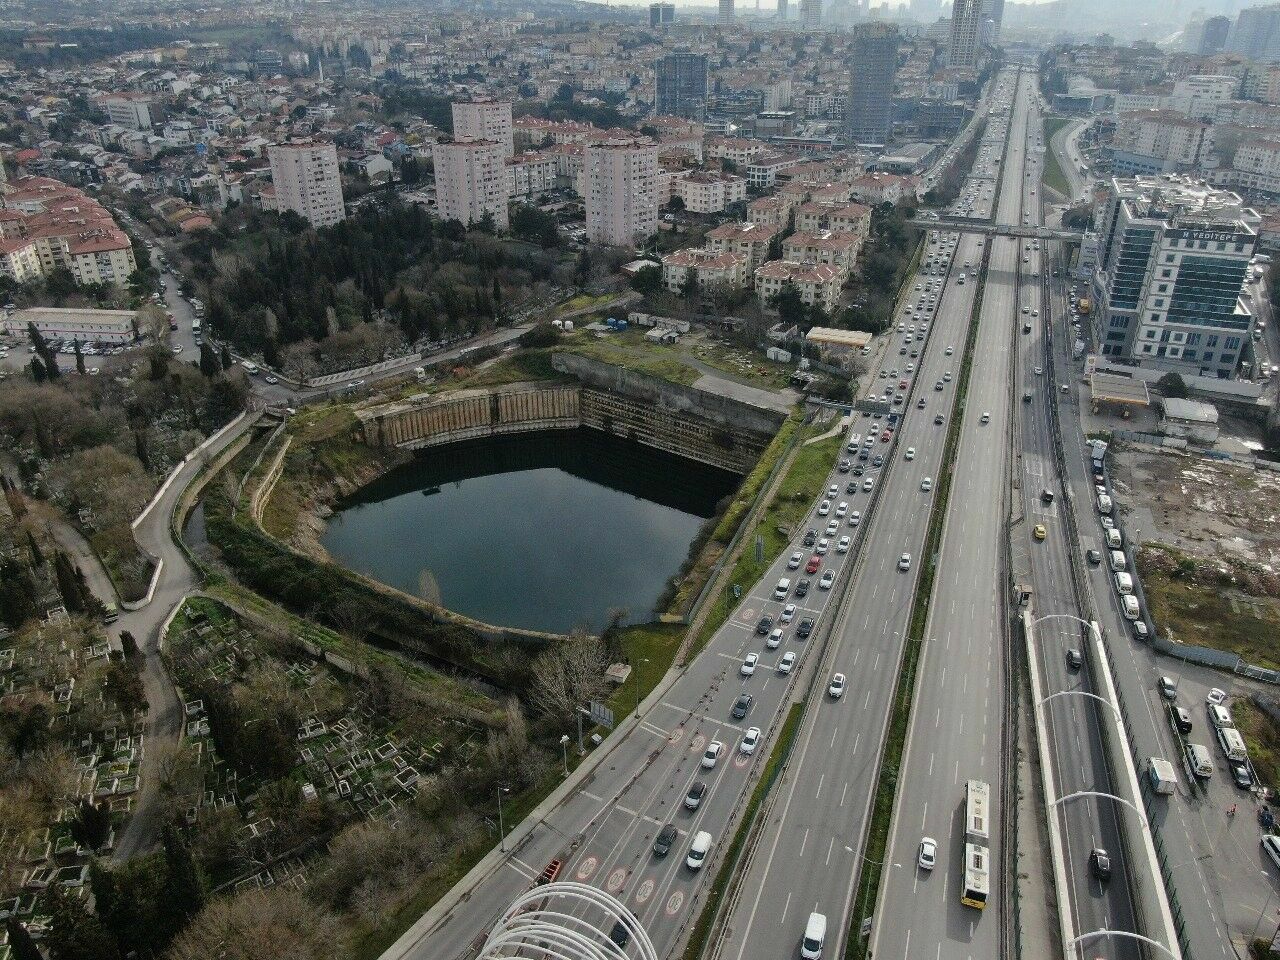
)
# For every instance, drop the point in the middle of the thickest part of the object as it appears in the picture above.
(902, 384)
(814, 563)
(884, 437)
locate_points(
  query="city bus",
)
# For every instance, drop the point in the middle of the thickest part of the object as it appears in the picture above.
(977, 876)
(977, 804)
(977, 832)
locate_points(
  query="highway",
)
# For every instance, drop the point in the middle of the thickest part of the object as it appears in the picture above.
(1072, 722)
(958, 714)
(806, 857)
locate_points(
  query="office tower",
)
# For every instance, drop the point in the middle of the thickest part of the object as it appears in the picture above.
(484, 120)
(1173, 258)
(661, 14)
(966, 18)
(726, 12)
(875, 58)
(1256, 33)
(1213, 35)
(622, 190)
(782, 9)
(811, 14)
(305, 176)
(681, 85)
(992, 14)
(471, 180)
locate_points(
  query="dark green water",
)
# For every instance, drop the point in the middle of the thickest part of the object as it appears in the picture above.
(546, 531)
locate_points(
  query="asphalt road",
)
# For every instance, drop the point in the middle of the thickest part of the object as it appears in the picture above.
(957, 720)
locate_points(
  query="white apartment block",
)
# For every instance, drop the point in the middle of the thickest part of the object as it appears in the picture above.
(485, 120)
(129, 110)
(306, 179)
(1255, 170)
(762, 171)
(705, 192)
(19, 260)
(738, 150)
(530, 174)
(770, 211)
(839, 250)
(751, 240)
(709, 269)
(816, 283)
(621, 182)
(1198, 96)
(1159, 141)
(471, 180)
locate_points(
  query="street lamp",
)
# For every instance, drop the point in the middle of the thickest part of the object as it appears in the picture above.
(636, 712)
(564, 748)
(502, 834)
(1263, 912)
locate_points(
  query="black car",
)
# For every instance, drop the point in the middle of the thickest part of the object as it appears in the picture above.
(864, 456)
(742, 705)
(938, 420)
(666, 838)
(852, 487)
(1100, 864)
(1240, 774)
(802, 587)
(620, 934)
(1181, 719)
(697, 790)
(810, 537)
(1093, 556)
(804, 628)
(764, 625)
(844, 466)
(878, 461)
(857, 472)
(1074, 660)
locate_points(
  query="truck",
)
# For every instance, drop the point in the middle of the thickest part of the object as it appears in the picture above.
(1163, 778)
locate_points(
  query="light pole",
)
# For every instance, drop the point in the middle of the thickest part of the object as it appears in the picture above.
(564, 748)
(502, 834)
(636, 712)
(1263, 912)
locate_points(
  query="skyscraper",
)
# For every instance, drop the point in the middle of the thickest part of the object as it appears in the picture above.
(726, 12)
(1256, 33)
(485, 120)
(811, 14)
(875, 58)
(782, 9)
(622, 190)
(993, 12)
(1213, 35)
(661, 14)
(305, 176)
(681, 85)
(966, 20)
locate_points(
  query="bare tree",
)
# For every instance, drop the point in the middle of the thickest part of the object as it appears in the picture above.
(275, 924)
(569, 675)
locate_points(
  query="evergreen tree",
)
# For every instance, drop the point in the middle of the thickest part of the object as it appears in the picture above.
(80, 368)
(187, 888)
(68, 584)
(38, 372)
(209, 364)
(75, 933)
(91, 825)
(129, 645)
(21, 943)
(226, 357)
(37, 557)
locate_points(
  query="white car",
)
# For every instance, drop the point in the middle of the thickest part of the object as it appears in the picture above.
(774, 639)
(843, 545)
(836, 689)
(904, 562)
(911, 453)
(795, 560)
(787, 662)
(986, 417)
(827, 580)
(1039, 371)
(832, 527)
(1216, 697)
(855, 518)
(822, 547)
(832, 491)
(824, 508)
(928, 858)
(946, 377)
(842, 508)
(749, 740)
(713, 754)
(749, 664)
(788, 613)
(926, 484)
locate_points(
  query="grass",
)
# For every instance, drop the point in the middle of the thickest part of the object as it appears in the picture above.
(1190, 599)
(1262, 737)
(649, 648)
(1054, 176)
(706, 919)
(805, 479)
(665, 366)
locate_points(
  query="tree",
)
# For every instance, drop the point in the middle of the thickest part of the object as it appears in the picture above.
(37, 557)
(38, 372)
(46, 354)
(1172, 386)
(789, 304)
(128, 645)
(91, 825)
(80, 359)
(187, 883)
(123, 684)
(21, 943)
(569, 675)
(75, 933)
(676, 204)
(647, 280)
(226, 357)
(530, 223)
(689, 285)
(209, 364)
(275, 924)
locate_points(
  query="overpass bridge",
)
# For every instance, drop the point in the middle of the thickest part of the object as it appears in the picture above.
(987, 228)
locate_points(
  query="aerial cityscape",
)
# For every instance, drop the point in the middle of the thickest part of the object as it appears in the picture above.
(561, 480)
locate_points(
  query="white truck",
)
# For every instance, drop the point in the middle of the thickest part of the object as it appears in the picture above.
(1162, 776)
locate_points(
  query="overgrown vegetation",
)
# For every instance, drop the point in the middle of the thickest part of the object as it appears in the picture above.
(1261, 732)
(1053, 175)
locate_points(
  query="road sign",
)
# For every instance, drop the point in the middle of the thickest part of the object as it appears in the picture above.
(601, 714)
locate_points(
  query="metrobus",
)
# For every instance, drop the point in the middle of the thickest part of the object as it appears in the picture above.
(977, 876)
(977, 856)
(977, 805)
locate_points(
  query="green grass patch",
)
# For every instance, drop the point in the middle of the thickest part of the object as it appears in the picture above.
(649, 648)
(1053, 175)
(665, 365)
(877, 842)
(755, 480)
(706, 919)
(1200, 604)
(1261, 736)
(805, 479)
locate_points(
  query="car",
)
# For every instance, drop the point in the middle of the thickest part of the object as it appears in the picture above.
(835, 689)
(749, 664)
(844, 466)
(843, 545)
(1271, 846)
(910, 454)
(794, 561)
(1093, 556)
(926, 484)
(1216, 697)
(787, 662)
(802, 587)
(764, 625)
(788, 613)
(1240, 774)
(877, 460)
(712, 754)
(177, 350)
(1168, 689)
(828, 578)
(824, 508)
(938, 420)
(1040, 532)
(697, 790)
(855, 518)
(271, 378)
(947, 376)
(804, 628)
(1039, 371)
(665, 840)
(1074, 660)
(904, 562)
(1100, 864)
(1180, 717)
(949, 351)
(938, 385)
(928, 856)
(832, 492)
(814, 563)
(825, 544)
(1140, 631)
(985, 418)
(868, 483)
(774, 640)
(810, 537)
(920, 404)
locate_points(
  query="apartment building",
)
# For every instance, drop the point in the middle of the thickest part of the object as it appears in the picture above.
(472, 180)
(762, 171)
(751, 240)
(621, 183)
(529, 175)
(877, 188)
(851, 218)
(816, 282)
(1254, 170)
(839, 250)
(708, 268)
(1158, 141)
(131, 110)
(963, 45)
(770, 211)
(706, 192)
(737, 150)
(1172, 262)
(485, 120)
(306, 180)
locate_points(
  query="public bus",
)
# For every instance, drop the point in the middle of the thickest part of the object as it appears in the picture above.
(977, 856)
(977, 876)
(977, 805)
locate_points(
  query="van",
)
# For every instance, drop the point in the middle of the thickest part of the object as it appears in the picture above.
(815, 935)
(1118, 562)
(698, 850)
(1220, 716)
(1199, 761)
(782, 589)
(1104, 503)
(1232, 744)
(854, 443)
(1124, 583)
(1114, 539)
(1130, 604)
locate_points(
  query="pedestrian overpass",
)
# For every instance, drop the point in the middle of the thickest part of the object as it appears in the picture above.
(989, 229)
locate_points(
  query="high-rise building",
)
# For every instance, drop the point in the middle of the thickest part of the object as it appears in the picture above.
(992, 14)
(811, 14)
(875, 58)
(1213, 35)
(471, 180)
(622, 190)
(661, 14)
(726, 12)
(680, 85)
(1256, 33)
(966, 21)
(306, 180)
(485, 120)
(782, 9)
(1172, 262)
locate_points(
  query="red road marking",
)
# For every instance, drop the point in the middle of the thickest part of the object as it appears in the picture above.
(616, 880)
(674, 903)
(587, 867)
(698, 742)
(645, 891)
